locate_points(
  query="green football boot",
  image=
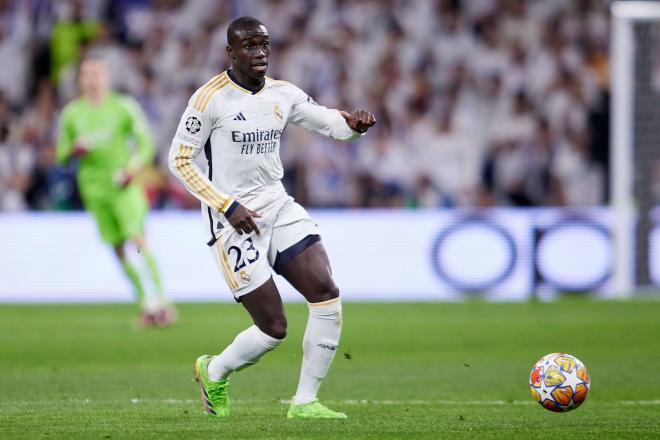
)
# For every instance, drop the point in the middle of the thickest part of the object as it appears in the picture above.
(213, 393)
(313, 410)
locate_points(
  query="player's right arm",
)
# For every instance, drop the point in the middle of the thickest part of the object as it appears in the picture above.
(192, 134)
(68, 144)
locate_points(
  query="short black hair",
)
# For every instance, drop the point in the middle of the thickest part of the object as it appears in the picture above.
(239, 24)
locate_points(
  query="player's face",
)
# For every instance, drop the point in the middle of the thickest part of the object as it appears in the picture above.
(93, 77)
(251, 51)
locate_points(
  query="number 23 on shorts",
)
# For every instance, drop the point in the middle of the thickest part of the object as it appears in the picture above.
(247, 255)
(236, 259)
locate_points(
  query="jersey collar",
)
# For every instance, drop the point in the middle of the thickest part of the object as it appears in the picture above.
(235, 83)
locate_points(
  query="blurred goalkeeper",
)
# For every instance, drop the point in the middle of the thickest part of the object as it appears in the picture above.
(108, 135)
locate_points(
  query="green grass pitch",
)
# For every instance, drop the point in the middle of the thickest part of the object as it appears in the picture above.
(431, 370)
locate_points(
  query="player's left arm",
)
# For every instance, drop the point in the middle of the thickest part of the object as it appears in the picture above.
(65, 138)
(332, 123)
(138, 129)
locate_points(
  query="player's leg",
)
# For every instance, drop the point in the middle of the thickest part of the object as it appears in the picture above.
(165, 312)
(150, 263)
(302, 260)
(111, 233)
(147, 316)
(130, 208)
(265, 306)
(309, 272)
(131, 273)
(267, 311)
(242, 261)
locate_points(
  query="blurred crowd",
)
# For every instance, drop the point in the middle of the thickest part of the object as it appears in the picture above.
(478, 102)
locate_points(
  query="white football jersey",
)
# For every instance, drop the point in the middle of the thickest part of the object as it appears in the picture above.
(239, 132)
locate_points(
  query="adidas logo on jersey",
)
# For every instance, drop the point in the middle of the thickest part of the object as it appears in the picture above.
(240, 117)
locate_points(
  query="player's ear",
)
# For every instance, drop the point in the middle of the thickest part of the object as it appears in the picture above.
(230, 52)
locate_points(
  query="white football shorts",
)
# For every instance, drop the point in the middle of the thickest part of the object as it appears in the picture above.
(245, 261)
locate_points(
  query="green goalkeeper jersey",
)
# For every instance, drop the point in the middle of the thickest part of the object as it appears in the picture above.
(118, 138)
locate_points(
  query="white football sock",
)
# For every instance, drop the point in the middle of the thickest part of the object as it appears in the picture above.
(246, 349)
(319, 347)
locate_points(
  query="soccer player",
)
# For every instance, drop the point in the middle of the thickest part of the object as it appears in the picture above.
(237, 119)
(97, 129)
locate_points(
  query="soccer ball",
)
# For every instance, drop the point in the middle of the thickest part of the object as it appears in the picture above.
(559, 382)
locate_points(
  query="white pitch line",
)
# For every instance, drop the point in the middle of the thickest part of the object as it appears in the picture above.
(426, 402)
(165, 401)
(639, 402)
(401, 402)
(137, 401)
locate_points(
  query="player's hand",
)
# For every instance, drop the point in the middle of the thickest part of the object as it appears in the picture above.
(80, 149)
(242, 219)
(123, 178)
(359, 120)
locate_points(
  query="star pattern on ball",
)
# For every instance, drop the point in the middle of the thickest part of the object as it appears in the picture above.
(546, 391)
(572, 380)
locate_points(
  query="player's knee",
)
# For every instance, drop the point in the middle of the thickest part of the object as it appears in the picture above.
(327, 290)
(276, 327)
(321, 289)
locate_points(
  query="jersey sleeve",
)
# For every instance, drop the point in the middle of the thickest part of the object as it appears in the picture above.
(66, 136)
(192, 134)
(306, 113)
(138, 129)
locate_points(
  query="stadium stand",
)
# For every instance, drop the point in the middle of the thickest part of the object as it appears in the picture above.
(485, 102)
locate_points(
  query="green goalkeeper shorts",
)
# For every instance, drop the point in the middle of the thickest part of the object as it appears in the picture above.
(120, 217)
